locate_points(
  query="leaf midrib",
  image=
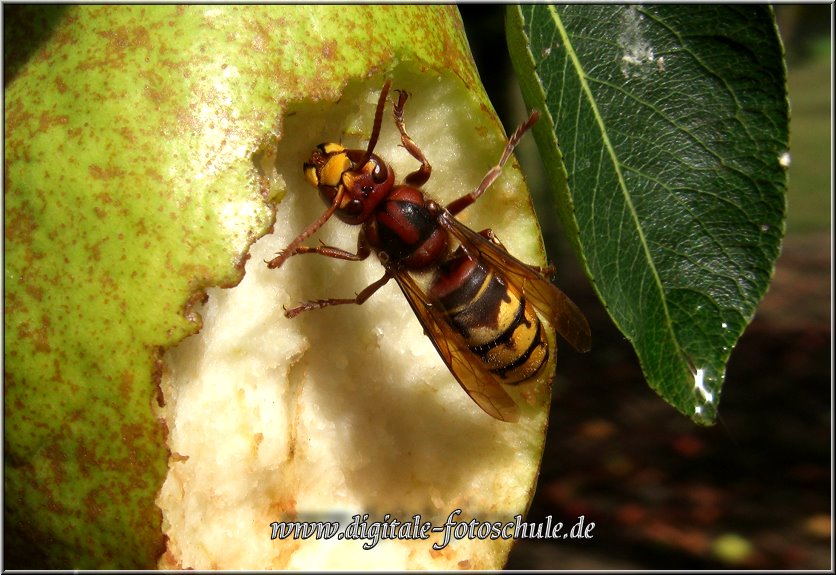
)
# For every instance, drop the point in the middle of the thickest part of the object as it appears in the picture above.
(617, 167)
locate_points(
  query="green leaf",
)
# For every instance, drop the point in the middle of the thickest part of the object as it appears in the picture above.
(672, 124)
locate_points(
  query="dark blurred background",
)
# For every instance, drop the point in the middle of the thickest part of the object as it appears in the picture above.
(753, 491)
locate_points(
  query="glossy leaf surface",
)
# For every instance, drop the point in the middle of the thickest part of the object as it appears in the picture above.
(666, 139)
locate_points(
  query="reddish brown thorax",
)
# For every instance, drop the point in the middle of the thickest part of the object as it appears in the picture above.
(480, 309)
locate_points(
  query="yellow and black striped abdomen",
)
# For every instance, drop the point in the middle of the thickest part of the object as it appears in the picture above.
(494, 318)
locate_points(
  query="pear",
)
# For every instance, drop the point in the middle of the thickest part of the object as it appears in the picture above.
(160, 410)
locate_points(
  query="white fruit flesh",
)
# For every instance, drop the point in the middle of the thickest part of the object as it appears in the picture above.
(347, 410)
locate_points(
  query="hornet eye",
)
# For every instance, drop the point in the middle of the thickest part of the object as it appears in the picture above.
(380, 173)
(353, 207)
